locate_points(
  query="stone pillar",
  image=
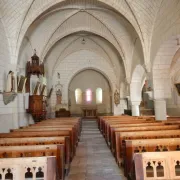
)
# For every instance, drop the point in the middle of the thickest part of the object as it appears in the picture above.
(135, 108)
(160, 109)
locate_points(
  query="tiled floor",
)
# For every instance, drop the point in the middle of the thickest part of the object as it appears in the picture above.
(93, 160)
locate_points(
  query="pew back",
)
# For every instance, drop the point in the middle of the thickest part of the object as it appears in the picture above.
(157, 165)
(21, 168)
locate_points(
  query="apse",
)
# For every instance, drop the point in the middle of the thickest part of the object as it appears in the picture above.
(90, 89)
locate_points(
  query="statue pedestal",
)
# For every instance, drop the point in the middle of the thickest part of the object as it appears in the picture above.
(8, 97)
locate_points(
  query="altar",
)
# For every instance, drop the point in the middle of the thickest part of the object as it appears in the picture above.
(89, 112)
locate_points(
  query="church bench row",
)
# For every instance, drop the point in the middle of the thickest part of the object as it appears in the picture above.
(125, 120)
(102, 119)
(76, 124)
(122, 136)
(62, 133)
(111, 129)
(37, 151)
(32, 168)
(40, 141)
(156, 165)
(107, 124)
(76, 128)
(46, 133)
(113, 141)
(75, 135)
(72, 134)
(127, 129)
(131, 147)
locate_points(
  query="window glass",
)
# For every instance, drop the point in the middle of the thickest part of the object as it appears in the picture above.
(78, 96)
(99, 96)
(88, 95)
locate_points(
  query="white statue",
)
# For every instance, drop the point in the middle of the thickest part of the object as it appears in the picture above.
(10, 87)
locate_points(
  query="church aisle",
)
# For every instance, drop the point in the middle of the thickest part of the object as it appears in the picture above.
(93, 160)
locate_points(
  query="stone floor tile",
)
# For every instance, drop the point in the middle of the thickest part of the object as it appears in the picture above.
(93, 160)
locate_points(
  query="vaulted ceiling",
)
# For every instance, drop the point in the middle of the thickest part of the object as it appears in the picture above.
(132, 29)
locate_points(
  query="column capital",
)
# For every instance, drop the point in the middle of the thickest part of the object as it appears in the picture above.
(127, 80)
(159, 100)
(147, 67)
(135, 103)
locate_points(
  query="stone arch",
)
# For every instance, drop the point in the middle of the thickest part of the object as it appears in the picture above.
(111, 85)
(161, 69)
(93, 67)
(85, 30)
(100, 66)
(106, 56)
(34, 12)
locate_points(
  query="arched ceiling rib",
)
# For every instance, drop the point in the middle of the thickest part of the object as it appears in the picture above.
(74, 46)
(102, 22)
(82, 21)
(19, 15)
(73, 43)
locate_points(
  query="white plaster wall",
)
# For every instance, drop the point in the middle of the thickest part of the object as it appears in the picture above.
(76, 62)
(12, 115)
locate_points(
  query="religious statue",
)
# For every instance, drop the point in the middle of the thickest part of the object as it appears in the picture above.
(59, 96)
(10, 87)
(9, 94)
(59, 90)
(116, 97)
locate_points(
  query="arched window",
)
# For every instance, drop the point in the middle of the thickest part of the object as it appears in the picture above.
(88, 95)
(78, 96)
(99, 96)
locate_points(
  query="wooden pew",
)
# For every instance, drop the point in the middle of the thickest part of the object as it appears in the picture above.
(40, 134)
(41, 141)
(122, 136)
(135, 129)
(124, 121)
(156, 165)
(112, 128)
(76, 127)
(30, 167)
(73, 137)
(129, 122)
(149, 145)
(37, 151)
(56, 127)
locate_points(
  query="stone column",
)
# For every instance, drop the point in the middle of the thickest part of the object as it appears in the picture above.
(135, 108)
(160, 109)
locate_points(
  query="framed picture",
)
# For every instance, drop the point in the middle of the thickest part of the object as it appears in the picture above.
(116, 97)
(50, 92)
(177, 85)
(36, 88)
(21, 84)
(43, 89)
